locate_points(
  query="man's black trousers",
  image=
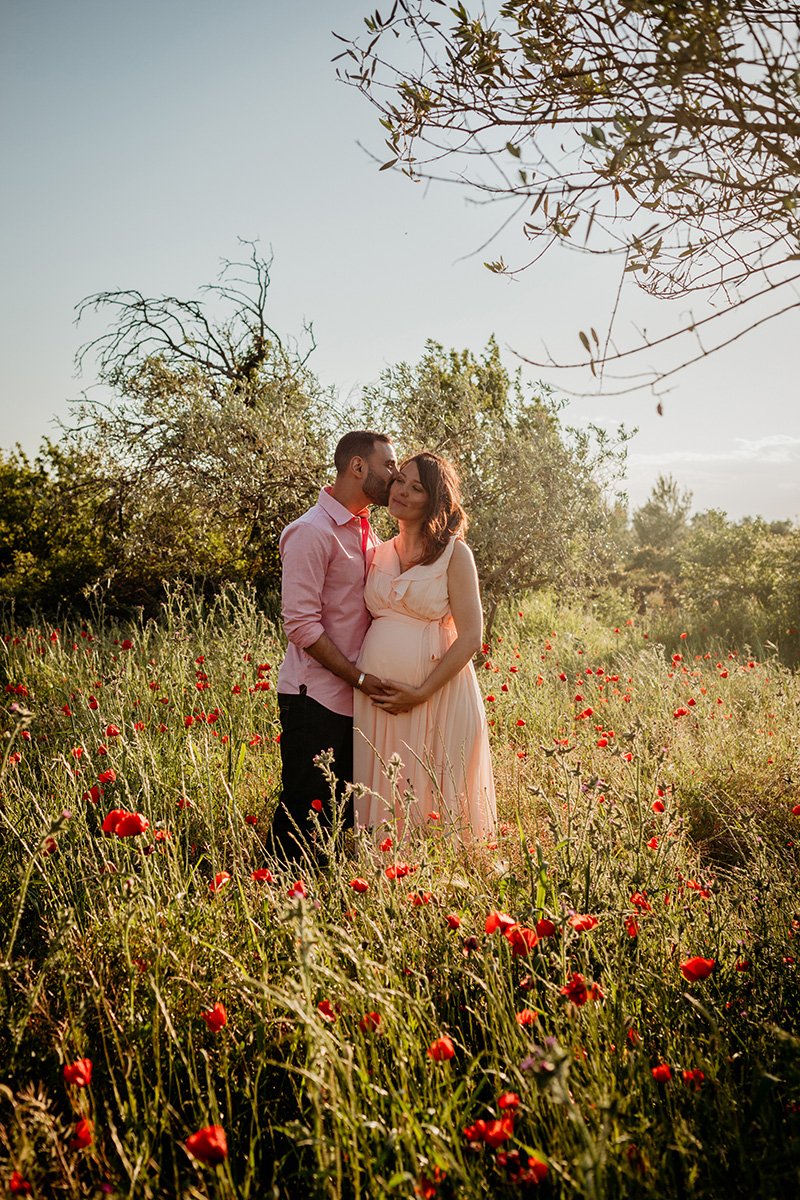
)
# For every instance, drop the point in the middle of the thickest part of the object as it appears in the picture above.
(308, 728)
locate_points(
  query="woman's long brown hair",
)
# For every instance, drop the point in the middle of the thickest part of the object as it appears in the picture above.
(444, 516)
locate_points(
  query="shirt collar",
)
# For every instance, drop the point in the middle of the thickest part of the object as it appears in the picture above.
(337, 511)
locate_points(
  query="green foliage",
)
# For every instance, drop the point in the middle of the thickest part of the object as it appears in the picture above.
(661, 521)
(532, 486)
(56, 539)
(735, 581)
(743, 578)
(112, 948)
(215, 435)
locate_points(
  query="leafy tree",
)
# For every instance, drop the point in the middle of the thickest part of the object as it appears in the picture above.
(213, 429)
(661, 521)
(652, 570)
(56, 546)
(742, 580)
(666, 134)
(533, 488)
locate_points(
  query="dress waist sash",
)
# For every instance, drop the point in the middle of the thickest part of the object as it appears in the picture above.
(431, 630)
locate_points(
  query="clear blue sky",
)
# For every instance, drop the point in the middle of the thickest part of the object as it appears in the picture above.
(139, 141)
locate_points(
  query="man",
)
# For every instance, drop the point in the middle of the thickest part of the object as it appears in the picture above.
(325, 556)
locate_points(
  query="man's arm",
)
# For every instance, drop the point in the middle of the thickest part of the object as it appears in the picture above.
(304, 550)
(329, 655)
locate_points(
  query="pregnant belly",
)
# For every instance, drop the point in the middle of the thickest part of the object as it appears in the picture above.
(401, 649)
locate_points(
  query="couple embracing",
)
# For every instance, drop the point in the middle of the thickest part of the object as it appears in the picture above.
(378, 667)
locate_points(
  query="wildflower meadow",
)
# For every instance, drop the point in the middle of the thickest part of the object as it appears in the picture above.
(602, 1002)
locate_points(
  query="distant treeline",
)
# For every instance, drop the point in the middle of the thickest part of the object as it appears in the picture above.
(212, 434)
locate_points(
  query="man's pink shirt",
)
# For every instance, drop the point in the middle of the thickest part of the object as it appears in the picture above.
(325, 554)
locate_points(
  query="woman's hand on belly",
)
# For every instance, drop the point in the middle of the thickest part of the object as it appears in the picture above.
(400, 697)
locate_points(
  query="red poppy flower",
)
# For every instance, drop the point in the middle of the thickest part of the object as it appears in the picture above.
(521, 939)
(398, 870)
(326, 1011)
(498, 920)
(658, 806)
(427, 1188)
(639, 900)
(93, 795)
(218, 882)
(545, 928)
(453, 920)
(84, 1132)
(111, 819)
(131, 824)
(697, 968)
(442, 1049)
(359, 885)
(109, 776)
(79, 1073)
(631, 927)
(208, 1145)
(662, 1073)
(575, 990)
(251, 819)
(215, 1018)
(578, 991)
(653, 843)
(535, 1172)
(386, 845)
(316, 805)
(297, 890)
(262, 875)
(526, 1017)
(112, 731)
(587, 712)
(493, 1133)
(582, 922)
(694, 1078)
(369, 1022)
(475, 1133)
(796, 810)
(508, 1100)
(17, 1186)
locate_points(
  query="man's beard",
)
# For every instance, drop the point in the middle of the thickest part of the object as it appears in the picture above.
(376, 489)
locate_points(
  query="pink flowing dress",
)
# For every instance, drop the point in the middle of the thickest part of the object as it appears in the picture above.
(443, 744)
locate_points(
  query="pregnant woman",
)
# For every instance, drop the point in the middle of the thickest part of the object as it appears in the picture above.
(422, 592)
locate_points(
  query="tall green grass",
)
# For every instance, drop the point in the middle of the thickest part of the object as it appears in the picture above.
(112, 948)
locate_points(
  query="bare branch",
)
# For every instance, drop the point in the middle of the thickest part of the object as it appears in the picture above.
(668, 134)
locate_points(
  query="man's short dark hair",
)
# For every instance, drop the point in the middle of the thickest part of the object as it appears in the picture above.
(359, 443)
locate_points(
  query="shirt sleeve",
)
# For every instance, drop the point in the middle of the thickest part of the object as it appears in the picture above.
(305, 552)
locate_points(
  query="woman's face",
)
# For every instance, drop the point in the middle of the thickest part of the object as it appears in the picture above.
(408, 499)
